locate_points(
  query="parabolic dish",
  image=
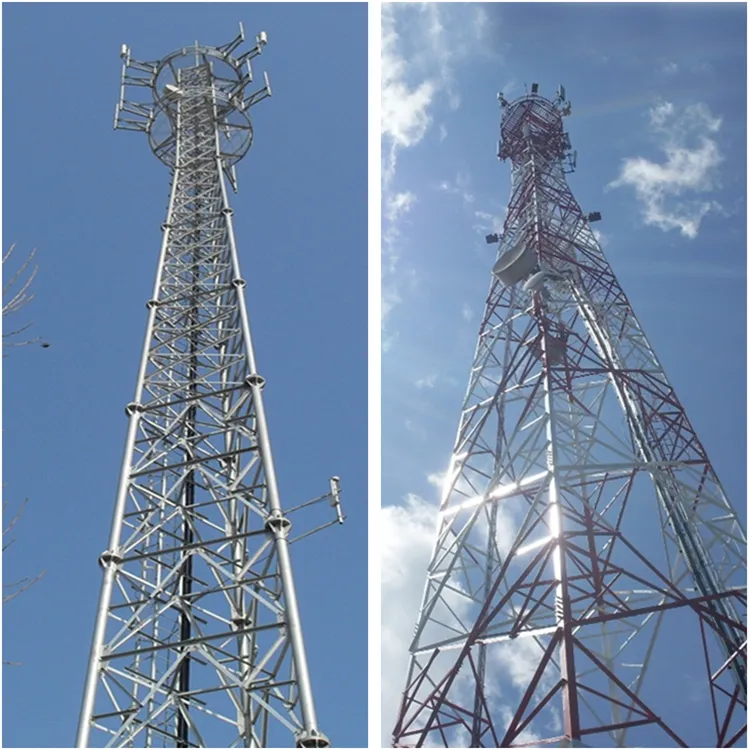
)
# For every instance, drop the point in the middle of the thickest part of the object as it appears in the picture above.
(515, 264)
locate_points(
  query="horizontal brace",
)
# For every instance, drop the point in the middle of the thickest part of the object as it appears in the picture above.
(163, 732)
(145, 67)
(198, 397)
(165, 600)
(146, 681)
(655, 608)
(630, 466)
(192, 641)
(113, 714)
(194, 545)
(160, 501)
(192, 462)
(193, 296)
(130, 125)
(133, 108)
(621, 725)
(129, 80)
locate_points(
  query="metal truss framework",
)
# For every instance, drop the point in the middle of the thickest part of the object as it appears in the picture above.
(588, 582)
(198, 641)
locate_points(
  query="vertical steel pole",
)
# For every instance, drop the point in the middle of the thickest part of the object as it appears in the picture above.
(278, 524)
(109, 559)
(199, 547)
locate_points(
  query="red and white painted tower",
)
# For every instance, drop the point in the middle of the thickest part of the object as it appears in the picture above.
(588, 581)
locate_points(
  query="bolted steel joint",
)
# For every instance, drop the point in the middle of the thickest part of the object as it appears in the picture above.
(279, 525)
(242, 622)
(227, 211)
(559, 611)
(165, 226)
(132, 408)
(152, 303)
(255, 380)
(108, 558)
(239, 283)
(312, 738)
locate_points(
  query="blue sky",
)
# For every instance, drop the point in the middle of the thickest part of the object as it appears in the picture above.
(92, 201)
(659, 123)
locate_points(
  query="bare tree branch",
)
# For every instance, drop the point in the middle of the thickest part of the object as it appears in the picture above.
(15, 301)
(21, 297)
(13, 522)
(25, 583)
(12, 302)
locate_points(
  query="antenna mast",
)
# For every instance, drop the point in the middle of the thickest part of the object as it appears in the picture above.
(588, 565)
(198, 640)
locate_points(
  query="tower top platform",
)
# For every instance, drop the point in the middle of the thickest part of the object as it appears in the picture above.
(533, 118)
(151, 93)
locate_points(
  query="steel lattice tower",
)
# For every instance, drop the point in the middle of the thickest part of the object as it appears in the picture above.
(588, 582)
(197, 641)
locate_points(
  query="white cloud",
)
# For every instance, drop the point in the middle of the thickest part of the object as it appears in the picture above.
(461, 186)
(518, 660)
(437, 479)
(418, 66)
(426, 382)
(398, 204)
(436, 41)
(407, 535)
(670, 68)
(404, 117)
(601, 238)
(527, 736)
(486, 223)
(404, 121)
(388, 340)
(421, 46)
(467, 312)
(702, 67)
(666, 190)
(404, 112)
(443, 133)
(479, 21)
(389, 299)
(510, 88)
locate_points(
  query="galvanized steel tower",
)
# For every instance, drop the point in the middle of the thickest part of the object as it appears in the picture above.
(198, 641)
(588, 582)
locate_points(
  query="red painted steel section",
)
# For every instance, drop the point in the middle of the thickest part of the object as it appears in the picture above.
(589, 577)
